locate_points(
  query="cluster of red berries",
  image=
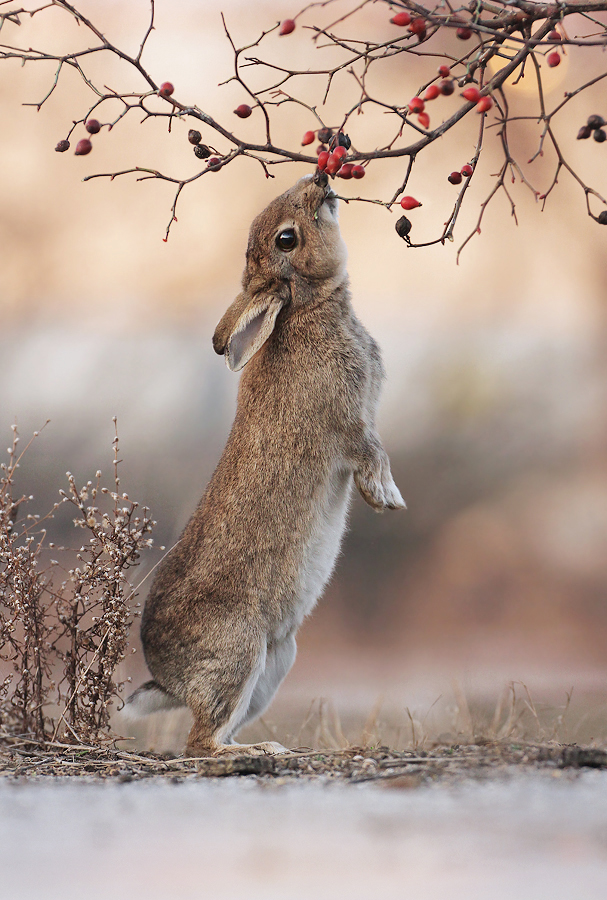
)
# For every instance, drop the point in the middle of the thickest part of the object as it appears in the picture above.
(446, 87)
(331, 158)
(594, 126)
(416, 26)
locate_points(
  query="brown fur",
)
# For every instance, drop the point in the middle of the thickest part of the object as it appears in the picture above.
(220, 620)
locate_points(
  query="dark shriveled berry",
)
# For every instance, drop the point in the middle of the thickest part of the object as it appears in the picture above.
(62, 146)
(403, 227)
(599, 135)
(325, 135)
(194, 137)
(341, 140)
(603, 217)
(446, 87)
(202, 151)
(584, 133)
(595, 122)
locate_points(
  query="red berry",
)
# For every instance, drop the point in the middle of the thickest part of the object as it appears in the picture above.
(554, 36)
(166, 89)
(346, 171)
(83, 147)
(286, 27)
(432, 92)
(340, 152)
(323, 158)
(467, 170)
(424, 119)
(484, 104)
(553, 59)
(471, 93)
(358, 171)
(62, 146)
(446, 87)
(416, 105)
(308, 138)
(464, 34)
(401, 18)
(243, 111)
(93, 126)
(333, 164)
(418, 27)
(214, 163)
(409, 203)
(455, 178)
(444, 71)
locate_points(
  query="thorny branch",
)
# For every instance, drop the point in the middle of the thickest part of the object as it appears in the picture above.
(485, 44)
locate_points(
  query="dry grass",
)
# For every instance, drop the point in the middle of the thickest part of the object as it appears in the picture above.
(65, 613)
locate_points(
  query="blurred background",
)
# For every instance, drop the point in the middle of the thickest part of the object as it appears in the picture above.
(494, 411)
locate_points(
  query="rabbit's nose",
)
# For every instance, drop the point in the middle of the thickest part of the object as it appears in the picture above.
(321, 179)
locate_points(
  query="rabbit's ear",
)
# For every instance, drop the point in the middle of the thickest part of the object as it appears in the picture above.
(242, 332)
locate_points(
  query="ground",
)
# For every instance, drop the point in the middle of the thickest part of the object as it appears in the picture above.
(495, 821)
(486, 760)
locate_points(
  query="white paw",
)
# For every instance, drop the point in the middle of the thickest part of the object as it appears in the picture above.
(392, 495)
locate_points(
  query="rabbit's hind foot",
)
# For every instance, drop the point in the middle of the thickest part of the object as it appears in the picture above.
(235, 751)
(264, 748)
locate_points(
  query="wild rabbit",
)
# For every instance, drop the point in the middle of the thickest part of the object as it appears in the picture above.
(219, 625)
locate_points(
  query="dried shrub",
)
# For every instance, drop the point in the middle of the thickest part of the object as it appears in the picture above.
(64, 621)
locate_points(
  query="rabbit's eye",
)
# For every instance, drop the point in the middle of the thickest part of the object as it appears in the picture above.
(287, 239)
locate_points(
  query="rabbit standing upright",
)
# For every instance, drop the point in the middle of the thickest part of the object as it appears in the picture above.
(219, 625)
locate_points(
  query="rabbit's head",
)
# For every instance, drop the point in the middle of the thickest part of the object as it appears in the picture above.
(296, 258)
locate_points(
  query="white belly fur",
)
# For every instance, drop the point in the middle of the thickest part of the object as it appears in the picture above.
(322, 549)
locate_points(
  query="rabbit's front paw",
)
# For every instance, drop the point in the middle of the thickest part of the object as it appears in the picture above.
(392, 494)
(377, 487)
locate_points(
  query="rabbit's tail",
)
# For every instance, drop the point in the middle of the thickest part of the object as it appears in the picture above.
(149, 698)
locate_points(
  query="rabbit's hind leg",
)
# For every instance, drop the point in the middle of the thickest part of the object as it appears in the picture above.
(219, 693)
(280, 657)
